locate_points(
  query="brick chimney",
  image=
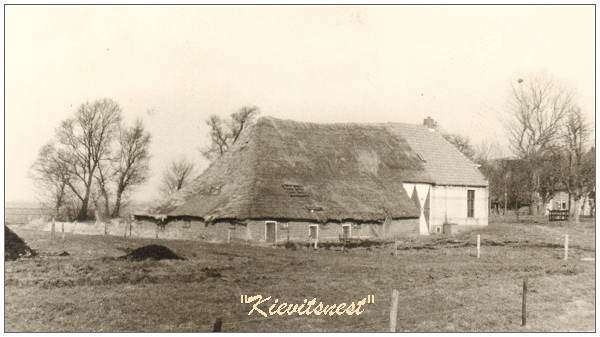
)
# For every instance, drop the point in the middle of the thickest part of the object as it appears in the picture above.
(430, 123)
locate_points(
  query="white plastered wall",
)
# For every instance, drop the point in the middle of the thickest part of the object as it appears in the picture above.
(448, 204)
(451, 205)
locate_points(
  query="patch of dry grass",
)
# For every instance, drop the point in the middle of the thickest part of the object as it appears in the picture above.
(441, 289)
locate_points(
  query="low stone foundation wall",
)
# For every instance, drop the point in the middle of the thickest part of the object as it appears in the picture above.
(252, 231)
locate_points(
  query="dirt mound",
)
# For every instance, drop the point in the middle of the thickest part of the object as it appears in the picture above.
(151, 252)
(14, 246)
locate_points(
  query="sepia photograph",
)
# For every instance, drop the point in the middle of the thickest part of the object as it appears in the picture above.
(299, 168)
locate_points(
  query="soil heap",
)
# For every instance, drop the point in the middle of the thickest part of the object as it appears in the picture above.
(14, 246)
(151, 252)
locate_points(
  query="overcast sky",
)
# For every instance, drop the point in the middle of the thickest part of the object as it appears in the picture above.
(175, 65)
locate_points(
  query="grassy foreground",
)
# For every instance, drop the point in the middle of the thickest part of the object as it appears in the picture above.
(442, 285)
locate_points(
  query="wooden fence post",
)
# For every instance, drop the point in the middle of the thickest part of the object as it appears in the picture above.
(53, 229)
(478, 245)
(524, 307)
(395, 248)
(316, 242)
(394, 311)
(217, 325)
(229, 236)
(566, 246)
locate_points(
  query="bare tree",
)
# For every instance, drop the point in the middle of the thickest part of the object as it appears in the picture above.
(509, 184)
(537, 109)
(52, 177)
(131, 162)
(84, 142)
(580, 166)
(219, 138)
(103, 177)
(486, 151)
(177, 175)
(549, 176)
(462, 144)
(224, 133)
(240, 119)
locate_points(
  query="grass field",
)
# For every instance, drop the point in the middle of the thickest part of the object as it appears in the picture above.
(442, 285)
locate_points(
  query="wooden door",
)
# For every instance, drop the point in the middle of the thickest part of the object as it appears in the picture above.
(271, 232)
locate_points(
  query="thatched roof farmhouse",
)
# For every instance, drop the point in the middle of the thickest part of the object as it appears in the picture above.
(288, 179)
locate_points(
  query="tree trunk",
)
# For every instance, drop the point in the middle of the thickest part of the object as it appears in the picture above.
(535, 205)
(577, 211)
(106, 203)
(83, 211)
(117, 207)
(544, 207)
(82, 215)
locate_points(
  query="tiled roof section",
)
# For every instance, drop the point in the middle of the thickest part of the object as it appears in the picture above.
(443, 162)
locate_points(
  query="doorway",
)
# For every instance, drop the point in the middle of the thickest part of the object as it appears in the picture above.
(271, 231)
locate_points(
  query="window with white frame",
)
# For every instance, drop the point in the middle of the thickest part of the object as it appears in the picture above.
(313, 231)
(346, 231)
(470, 203)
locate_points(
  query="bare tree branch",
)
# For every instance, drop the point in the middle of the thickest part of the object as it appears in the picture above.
(131, 162)
(177, 175)
(223, 134)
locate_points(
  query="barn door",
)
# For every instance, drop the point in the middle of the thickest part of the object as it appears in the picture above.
(271, 232)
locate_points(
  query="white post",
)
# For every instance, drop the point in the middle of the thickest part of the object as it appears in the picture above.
(395, 248)
(53, 228)
(229, 236)
(478, 245)
(566, 246)
(394, 311)
(316, 242)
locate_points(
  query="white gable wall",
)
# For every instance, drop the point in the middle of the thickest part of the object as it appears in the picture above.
(448, 204)
(451, 205)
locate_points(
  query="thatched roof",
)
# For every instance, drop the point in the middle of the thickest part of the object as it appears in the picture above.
(282, 169)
